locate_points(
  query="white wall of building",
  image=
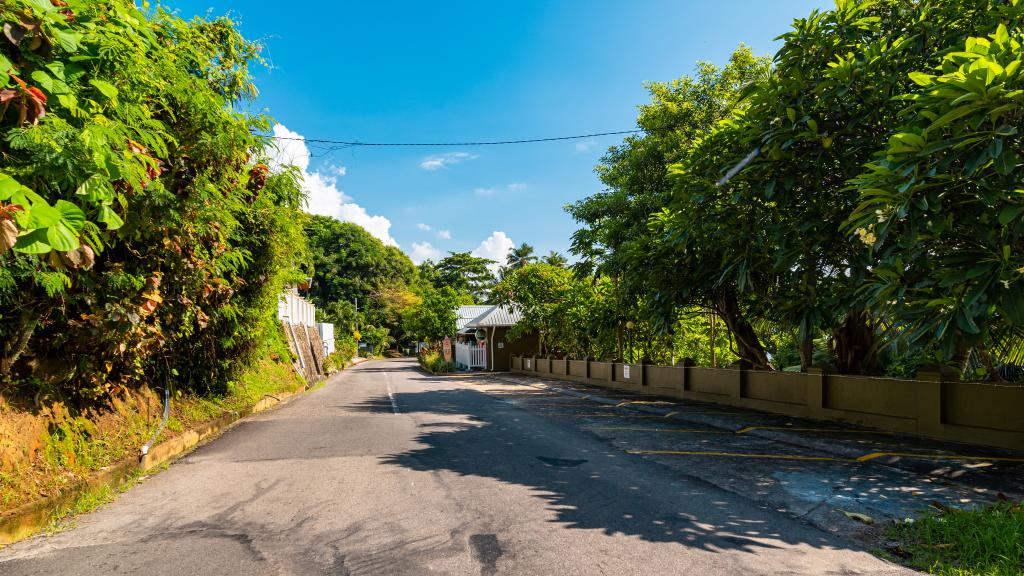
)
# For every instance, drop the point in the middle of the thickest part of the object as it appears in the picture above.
(295, 309)
(327, 337)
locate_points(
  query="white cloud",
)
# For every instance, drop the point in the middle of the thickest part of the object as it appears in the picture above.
(323, 195)
(379, 226)
(439, 161)
(444, 234)
(424, 227)
(423, 251)
(496, 247)
(513, 187)
(289, 148)
(586, 145)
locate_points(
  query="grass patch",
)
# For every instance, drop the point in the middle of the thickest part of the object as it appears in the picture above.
(433, 362)
(58, 448)
(89, 500)
(987, 541)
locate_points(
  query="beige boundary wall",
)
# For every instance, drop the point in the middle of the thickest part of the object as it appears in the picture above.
(934, 405)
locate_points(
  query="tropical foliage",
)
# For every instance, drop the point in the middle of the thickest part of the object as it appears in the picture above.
(141, 234)
(855, 201)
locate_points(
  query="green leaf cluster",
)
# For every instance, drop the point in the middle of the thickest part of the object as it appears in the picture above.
(150, 242)
(857, 199)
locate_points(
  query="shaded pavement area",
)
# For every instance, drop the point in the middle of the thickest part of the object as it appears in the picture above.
(387, 470)
(815, 470)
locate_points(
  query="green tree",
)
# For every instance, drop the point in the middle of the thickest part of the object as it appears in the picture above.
(941, 209)
(353, 268)
(464, 273)
(658, 270)
(520, 256)
(434, 316)
(570, 315)
(555, 259)
(378, 338)
(142, 238)
(820, 117)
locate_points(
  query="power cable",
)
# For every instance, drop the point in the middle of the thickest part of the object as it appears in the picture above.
(438, 144)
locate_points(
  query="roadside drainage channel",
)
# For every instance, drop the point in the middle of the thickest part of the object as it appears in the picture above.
(897, 458)
(29, 519)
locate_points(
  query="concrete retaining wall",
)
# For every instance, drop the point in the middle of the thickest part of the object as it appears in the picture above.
(934, 405)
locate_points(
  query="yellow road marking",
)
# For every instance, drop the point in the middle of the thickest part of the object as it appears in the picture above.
(739, 455)
(920, 456)
(791, 429)
(569, 405)
(646, 402)
(603, 415)
(694, 430)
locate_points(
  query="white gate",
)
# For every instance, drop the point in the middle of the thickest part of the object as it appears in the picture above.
(470, 357)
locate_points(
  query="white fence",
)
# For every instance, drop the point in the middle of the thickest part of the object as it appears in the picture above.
(295, 309)
(470, 356)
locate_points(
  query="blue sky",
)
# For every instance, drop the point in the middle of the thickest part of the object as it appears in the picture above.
(463, 71)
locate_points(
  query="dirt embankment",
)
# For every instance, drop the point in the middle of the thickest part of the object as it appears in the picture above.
(46, 449)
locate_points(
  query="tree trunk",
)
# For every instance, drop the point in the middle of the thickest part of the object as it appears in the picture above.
(618, 341)
(748, 345)
(806, 352)
(18, 340)
(854, 346)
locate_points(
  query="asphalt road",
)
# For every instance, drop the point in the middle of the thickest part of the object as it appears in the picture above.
(386, 470)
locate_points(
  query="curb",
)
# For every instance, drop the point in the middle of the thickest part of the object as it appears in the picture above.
(28, 519)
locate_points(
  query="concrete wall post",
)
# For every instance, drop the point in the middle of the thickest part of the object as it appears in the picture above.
(929, 396)
(816, 376)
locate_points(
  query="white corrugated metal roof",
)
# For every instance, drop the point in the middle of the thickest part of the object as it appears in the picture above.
(497, 316)
(467, 313)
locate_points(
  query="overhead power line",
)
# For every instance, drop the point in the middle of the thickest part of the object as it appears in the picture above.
(438, 144)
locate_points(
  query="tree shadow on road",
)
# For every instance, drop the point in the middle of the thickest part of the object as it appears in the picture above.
(588, 483)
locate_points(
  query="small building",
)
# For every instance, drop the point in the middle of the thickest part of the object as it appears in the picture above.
(482, 342)
(326, 332)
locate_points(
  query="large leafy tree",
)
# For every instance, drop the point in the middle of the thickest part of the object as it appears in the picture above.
(777, 174)
(654, 275)
(826, 109)
(572, 316)
(357, 279)
(141, 238)
(434, 316)
(463, 272)
(942, 211)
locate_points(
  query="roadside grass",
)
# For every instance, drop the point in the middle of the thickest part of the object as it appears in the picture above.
(68, 446)
(434, 362)
(987, 541)
(65, 517)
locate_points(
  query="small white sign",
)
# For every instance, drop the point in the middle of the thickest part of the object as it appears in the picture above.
(501, 344)
(527, 363)
(625, 371)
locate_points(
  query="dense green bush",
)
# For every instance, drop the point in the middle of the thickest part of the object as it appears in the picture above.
(142, 235)
(432, 361)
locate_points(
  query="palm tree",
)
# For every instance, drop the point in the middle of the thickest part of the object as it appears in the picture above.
(521, 256)
(555, 259)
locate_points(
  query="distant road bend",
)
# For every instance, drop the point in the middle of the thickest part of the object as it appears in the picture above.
(386, 470)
